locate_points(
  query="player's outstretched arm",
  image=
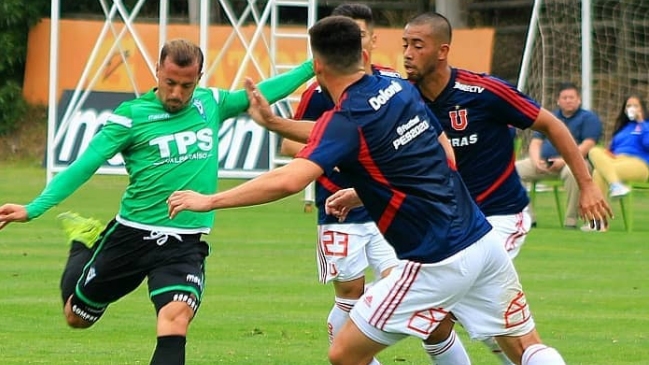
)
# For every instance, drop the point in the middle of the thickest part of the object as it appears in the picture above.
(274, 89)
(66, 182)
(290, 148)
(12, 213)
(110, 140)
(261, 112)
(268, 187)
(280, 86)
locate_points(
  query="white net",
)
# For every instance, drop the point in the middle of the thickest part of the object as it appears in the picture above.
(620, 53)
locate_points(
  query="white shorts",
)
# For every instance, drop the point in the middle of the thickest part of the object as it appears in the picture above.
(512, 229)
(346, 250)
(478, 284)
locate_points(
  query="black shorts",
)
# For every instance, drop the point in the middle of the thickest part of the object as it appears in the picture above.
(124, 256)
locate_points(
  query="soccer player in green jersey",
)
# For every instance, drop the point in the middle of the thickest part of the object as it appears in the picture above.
(168, 138)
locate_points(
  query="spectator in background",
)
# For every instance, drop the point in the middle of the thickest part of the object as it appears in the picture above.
(627, 158)
(544, 161)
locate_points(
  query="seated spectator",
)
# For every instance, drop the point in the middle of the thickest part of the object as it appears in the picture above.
(627, 158)
(544, 160)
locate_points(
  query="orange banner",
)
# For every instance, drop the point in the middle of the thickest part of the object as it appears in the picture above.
(110, 71)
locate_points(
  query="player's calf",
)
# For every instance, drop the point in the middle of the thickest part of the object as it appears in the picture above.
(80, 315)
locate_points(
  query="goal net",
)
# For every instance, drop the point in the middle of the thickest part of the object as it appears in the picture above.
(615, 65)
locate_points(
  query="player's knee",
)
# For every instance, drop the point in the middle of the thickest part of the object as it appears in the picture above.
(176, 309)
(336, 355)
(340, 355)
(176, 314)
(81, 315)
(350, 289)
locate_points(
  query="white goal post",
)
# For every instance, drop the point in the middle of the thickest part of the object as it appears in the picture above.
(600, 45)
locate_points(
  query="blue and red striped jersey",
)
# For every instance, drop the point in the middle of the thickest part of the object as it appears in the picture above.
(476, 112)
(383, 139)
(313, 104)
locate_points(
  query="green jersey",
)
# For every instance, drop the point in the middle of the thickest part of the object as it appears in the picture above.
(164, 152)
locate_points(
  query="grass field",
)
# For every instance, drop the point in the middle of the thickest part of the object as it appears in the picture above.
(589, 292)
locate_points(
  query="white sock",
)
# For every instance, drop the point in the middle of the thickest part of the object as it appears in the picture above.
(492, 345)
(540, 354)
(338, 315)
(448, 352)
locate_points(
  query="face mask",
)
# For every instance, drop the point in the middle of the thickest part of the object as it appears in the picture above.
(631, 112)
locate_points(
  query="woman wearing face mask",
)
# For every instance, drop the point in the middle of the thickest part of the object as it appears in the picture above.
(627, 158)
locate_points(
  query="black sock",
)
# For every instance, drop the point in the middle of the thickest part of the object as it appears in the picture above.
(170, 350)
(78, 257)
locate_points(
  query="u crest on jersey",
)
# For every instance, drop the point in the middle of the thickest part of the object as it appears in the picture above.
(458, 118)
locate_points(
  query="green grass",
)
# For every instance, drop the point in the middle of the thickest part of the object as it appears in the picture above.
(589, 292)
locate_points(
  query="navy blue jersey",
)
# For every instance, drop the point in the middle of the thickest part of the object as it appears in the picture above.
(383, 139)
(312, 105)
(476, 112)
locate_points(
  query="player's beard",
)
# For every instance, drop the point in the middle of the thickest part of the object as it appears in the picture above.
(412, 73)
(413, 77)
(174, 105)
(419, 74)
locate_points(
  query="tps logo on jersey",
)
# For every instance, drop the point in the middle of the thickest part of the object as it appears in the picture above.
(468, 88)
(458, 119)
(180, 144)
(385, 95)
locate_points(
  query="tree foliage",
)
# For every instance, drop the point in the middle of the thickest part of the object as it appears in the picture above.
(18, 17)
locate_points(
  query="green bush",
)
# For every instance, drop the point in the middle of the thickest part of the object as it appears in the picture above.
(18, 17)
(12, 107)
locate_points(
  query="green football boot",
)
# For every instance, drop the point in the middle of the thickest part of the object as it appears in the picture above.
(78, 228)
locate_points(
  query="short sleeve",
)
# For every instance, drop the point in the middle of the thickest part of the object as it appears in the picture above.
(512, 106)
(334, 140)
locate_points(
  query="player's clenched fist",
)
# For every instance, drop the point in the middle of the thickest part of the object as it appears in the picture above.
(12, 213)
(187, 200)
(341, 202)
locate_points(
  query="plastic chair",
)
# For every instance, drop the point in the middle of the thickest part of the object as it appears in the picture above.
(555, 184)
(626, 203)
